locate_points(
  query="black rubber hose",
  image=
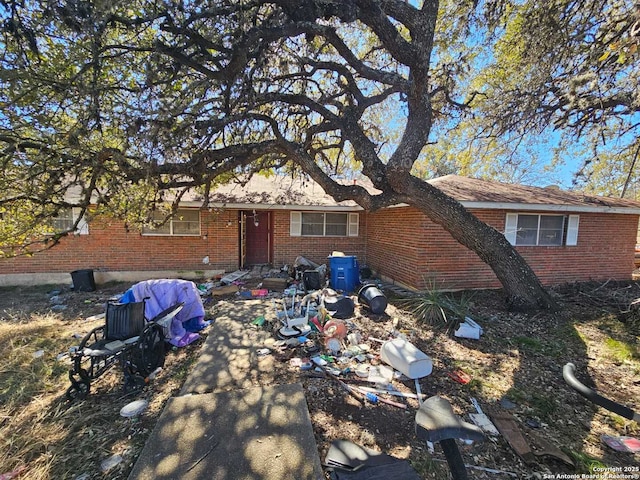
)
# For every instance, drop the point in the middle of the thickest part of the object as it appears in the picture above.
(568, 372)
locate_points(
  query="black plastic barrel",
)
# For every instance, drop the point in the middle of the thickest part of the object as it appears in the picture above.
(370, 296)
(83, 280)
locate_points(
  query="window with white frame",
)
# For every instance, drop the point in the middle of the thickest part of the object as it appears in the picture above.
(66, 218)
(186, 222)
(324, 224)
(527, 229)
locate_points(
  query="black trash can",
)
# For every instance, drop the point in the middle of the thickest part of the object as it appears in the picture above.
(83, 280)
(311, 280)
(370, 296)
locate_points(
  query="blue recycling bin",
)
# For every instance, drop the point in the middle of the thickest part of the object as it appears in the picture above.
(345, 273)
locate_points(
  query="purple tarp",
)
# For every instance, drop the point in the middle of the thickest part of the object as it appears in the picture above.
(164, 293)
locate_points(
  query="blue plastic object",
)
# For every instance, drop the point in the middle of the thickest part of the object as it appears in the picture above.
(345, 273)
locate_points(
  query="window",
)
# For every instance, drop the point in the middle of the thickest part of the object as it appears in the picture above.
(185, 222)
(65, 220)
(318, 224)
(543, 230)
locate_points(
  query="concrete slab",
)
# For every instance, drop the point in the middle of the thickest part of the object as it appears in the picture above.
(229, 358)
(259, 433)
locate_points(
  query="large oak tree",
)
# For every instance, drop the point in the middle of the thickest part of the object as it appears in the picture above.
(124, 101)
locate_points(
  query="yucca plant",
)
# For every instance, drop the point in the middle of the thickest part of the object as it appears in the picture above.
(438, 308)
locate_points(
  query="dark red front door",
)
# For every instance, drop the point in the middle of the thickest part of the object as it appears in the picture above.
(256, 237)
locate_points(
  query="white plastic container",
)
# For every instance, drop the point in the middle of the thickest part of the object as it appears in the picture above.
(406, 358)
(469, 329)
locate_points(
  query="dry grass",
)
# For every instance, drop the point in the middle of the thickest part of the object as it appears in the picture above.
(39, 429)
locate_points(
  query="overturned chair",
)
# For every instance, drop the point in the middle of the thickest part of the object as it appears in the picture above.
(126, 338)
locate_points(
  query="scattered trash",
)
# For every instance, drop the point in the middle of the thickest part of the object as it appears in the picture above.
(507, 404)
(108, 463)
(469, 329)
(393, 392)
(153, 374)
(333, 345)
(233, 276)
(380, 374)
(132, 410)
(622, 444)
(373, 299)
(335, 328)
(339, 307)
(38, 354)
(263, 352)
(354, 338)
(224, 290)
(321, 362)
(406, 358)
(508, 428)
(349, 389)
(482, 421)
(545, 448)
(459, 376)
(275, 283)
(259, 321)
(56, 300)
(59, 308)
(373, 398)
(532, 423)
(353, 462)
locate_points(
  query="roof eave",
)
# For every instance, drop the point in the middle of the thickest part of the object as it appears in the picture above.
(268, 206)
(530, 207)
(551, 208)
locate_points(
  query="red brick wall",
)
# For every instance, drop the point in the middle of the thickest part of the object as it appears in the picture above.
(286, 248)
(110, 247)
(400, 243)
(413, 255)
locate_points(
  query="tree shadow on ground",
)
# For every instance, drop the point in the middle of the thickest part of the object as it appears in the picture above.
(518, 363)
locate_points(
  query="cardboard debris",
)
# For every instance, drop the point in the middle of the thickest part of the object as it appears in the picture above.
(275, 283)
(226, 290)
(508, 428)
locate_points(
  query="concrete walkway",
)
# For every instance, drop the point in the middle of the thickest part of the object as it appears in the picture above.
(229, 423)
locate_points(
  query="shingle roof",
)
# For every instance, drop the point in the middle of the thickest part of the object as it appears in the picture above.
(287, 192)
(465, 189)
(273, 192)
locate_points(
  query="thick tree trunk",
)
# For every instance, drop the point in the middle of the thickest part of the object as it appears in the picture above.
(522, 287)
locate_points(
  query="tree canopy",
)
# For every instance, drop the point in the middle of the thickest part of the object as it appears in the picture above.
(124, 101)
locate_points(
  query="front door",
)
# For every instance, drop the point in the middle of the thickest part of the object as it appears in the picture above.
(257, 237)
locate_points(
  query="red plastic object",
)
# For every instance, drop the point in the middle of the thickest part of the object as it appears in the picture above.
(459, 376)
(335, 328)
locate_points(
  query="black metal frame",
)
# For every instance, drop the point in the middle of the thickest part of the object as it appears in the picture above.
(141, 349)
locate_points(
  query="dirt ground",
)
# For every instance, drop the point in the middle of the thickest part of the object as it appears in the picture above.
(515, 368)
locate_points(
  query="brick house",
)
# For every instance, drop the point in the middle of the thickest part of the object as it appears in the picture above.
(564, 236)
